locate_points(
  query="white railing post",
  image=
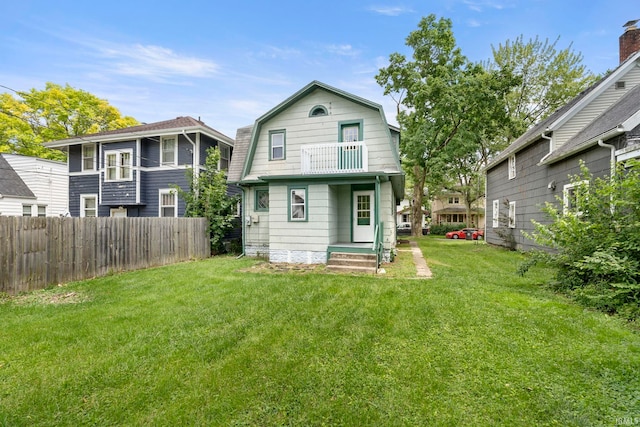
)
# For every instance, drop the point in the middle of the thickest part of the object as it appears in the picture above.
(339, 157)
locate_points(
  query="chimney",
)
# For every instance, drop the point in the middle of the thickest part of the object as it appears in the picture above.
(629, 40)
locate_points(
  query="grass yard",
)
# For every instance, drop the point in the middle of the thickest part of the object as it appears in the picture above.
(220, 342)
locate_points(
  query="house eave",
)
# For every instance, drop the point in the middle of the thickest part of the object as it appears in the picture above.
(142, 134)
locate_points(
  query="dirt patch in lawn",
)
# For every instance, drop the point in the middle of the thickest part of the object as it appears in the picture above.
(53, 296)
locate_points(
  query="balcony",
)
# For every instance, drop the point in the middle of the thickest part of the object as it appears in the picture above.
(338, 157)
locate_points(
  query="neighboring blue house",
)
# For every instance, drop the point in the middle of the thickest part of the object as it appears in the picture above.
(131, 172)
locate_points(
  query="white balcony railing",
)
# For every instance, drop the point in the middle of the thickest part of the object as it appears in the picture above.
(338, 157)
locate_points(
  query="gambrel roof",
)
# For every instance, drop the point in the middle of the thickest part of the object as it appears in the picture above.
(566, 112)
(179, 124)
(243, 157)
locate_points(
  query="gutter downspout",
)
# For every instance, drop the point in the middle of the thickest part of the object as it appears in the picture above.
(243, 221)
(612, 148)
(548, 138)
(196, 155)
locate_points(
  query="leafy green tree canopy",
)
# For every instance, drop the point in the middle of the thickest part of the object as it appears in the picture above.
(30, 118)
(444, 103)
(550, 77)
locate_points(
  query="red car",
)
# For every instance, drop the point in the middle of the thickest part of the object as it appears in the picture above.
(462, 234)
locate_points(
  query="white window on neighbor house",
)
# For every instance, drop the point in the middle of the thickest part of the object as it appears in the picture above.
(42, 210)
(88, 205)
(168, 203)
(277, 145)
(89, 157)
(496, 213)
(512, 214)
(572, 195)
(118, 165)
(26, 210)
(168, 150)
(225, 156)
(454, 200)
(512, 166)
(298, 204)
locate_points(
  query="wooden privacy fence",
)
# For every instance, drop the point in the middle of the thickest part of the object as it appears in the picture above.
(38, 252)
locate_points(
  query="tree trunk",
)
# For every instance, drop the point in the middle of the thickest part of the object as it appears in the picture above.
(420, 176)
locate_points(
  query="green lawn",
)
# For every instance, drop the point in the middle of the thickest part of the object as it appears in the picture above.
(218, 342)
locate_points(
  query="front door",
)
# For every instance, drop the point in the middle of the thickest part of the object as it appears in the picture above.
(363, 216)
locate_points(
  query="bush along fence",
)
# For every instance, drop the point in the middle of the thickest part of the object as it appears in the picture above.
(39, 252)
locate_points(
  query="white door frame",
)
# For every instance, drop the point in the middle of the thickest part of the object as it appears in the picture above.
(363, 226)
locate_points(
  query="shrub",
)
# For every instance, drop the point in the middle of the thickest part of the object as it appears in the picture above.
(442, 229)
(595, 241)
(207, 197)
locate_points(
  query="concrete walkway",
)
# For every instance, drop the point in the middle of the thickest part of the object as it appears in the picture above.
(421, 265)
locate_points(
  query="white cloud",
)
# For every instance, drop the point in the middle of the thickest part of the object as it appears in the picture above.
(480, 5)
(390, 10)
(156, 61)
(342, 49)
(473, 23)
(274, 52)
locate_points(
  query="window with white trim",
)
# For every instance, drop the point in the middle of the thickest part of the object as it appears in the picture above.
(512, 166)
(88, 157)
(168, 203)
(118, 165)
(298, 204)
(168, 150)
(277, 145)
(572, 196)
(42, 210)
(26, 210)
(496, 213)
(88, 205)
(454, 200)
(512, 214)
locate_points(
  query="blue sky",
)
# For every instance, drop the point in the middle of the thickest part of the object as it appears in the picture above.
(228, 62)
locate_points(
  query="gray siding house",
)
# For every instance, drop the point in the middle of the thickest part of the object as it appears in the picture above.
(131, 172)
(320, 175)
(599, 127)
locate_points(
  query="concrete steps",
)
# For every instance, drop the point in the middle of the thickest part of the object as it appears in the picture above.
(346, 262)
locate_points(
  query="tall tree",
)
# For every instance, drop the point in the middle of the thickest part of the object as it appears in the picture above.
(446, 100)
(57, 112)
(550, 77)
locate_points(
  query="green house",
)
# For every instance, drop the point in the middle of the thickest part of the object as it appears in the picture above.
(320, 173)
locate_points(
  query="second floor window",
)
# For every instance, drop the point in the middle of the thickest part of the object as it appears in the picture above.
(350, 131)
(118, 165)
(277, 145)
(454, 200)
(88, 157)
(168, 150)
(512, 166)
(225, 156)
